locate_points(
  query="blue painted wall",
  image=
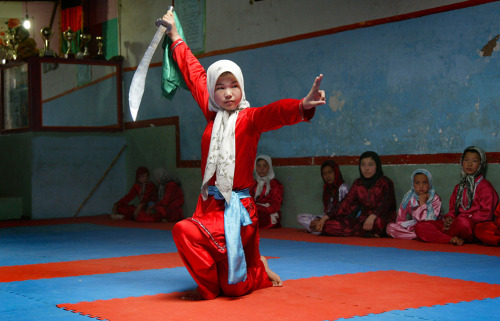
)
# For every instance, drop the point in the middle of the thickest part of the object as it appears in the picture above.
(410, 87)
(89, 106)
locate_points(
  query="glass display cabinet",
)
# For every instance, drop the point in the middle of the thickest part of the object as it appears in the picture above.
(58, 94)
(14, 97)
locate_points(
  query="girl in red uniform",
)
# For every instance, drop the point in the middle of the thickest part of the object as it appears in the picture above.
(168, 208)
(334, 190)
(473, 200)
(369, 205)
(219, 244)
(267, 192)
(170, 197)
(144, 189)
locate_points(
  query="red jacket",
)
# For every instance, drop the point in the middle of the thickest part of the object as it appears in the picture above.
(150, 194)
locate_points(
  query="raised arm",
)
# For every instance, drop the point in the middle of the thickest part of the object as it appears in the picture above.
(192, 71)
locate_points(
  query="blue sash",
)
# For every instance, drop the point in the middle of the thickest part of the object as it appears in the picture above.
(235, 216)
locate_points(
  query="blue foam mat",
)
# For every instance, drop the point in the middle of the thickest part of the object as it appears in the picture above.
(306, 259)
(102, 286)
(46, 313)
(486, 309)
(71, 242)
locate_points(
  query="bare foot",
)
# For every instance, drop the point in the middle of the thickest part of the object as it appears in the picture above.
(273, 277)
(117, 217)
(313, 224)
(456, 241)
(192, 295)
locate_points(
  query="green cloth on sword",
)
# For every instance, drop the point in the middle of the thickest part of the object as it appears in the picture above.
(171, 77)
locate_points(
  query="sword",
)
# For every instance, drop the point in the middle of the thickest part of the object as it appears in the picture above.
(138, 81)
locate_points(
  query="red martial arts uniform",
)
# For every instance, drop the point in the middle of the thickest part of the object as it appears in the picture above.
(170, 206)
(201, 239)
(482, 208)
(489, 232)
(148, 196)
(269, 216)
(379, 199)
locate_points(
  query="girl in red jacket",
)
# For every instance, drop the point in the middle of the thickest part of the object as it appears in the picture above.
(267, 192)
(170, 197)
(219, 244)
(369, 205)
(143, 189)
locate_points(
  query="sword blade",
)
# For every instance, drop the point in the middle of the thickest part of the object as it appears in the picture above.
(139, 80)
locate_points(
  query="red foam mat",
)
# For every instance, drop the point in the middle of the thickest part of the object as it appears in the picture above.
(317, 298)
(89, 267)
(292, 234)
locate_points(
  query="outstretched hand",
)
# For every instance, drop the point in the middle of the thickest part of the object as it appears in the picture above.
(315, 97)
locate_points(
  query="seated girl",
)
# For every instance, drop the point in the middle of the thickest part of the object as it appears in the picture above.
(421, 203)
(143, 189)
(334, 190)
(168, 208)
(473, 200)
(267, 192)
(170, 197)
(369, 205)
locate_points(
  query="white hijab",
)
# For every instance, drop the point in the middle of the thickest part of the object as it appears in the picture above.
(263, 180)
(221, 154)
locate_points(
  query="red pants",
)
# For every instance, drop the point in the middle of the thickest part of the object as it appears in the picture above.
(208, 265)
(170, 214)
(488, 233)
(128, 213)
(433, 231)
(268, 221)
(343, 226)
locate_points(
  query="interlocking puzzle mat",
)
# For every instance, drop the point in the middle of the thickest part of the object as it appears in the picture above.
(102, 269)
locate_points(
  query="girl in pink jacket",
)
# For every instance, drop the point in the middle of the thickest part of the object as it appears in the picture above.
(420, 203)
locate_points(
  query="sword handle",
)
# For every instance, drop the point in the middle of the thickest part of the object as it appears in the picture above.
(160, 22)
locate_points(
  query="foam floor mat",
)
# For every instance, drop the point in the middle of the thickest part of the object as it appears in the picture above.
(76, 269)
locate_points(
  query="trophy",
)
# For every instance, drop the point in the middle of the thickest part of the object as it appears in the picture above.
(10, 47)
(100, 53)
(69, 36)
(46, 34)
(85, 37)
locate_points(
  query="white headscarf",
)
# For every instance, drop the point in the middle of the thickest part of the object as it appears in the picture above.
(411, 197)
(468, 183)
(263, 180)
(162, 177)
(221, 154)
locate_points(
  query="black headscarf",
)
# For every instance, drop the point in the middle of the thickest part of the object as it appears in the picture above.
(331, 191)
(378, 174)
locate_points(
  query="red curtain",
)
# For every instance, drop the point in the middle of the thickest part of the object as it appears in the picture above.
(71, 17)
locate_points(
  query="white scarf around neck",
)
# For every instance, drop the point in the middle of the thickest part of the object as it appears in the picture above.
(222, 151)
